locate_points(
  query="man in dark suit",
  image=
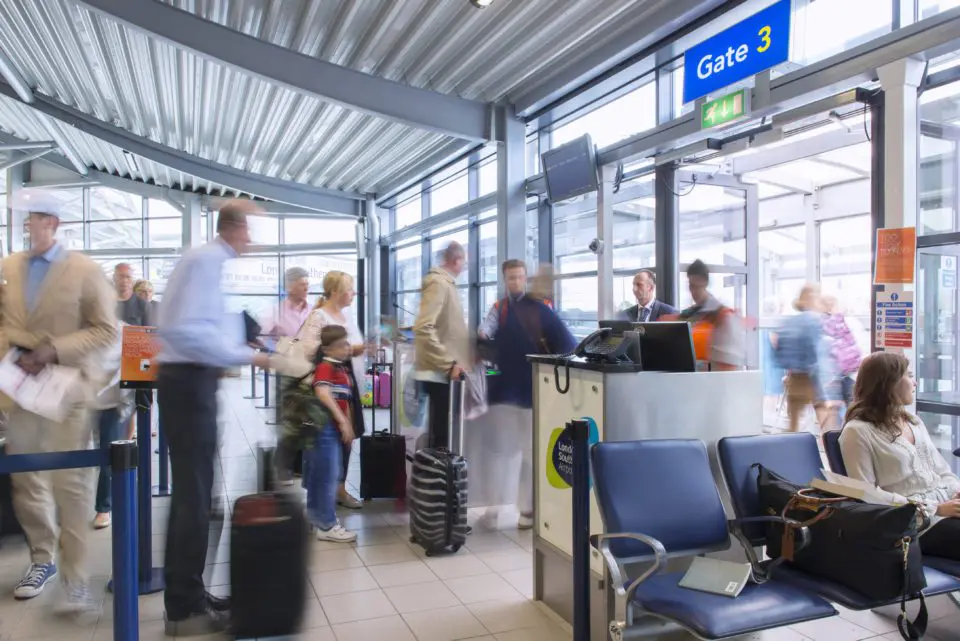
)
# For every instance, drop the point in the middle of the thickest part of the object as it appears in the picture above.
(648, 309)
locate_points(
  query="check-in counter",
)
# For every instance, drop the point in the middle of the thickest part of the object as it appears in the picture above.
(620, 403)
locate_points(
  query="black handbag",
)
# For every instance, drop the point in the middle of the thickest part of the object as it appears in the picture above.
(871, 549)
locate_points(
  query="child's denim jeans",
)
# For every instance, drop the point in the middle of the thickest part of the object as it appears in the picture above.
(322, 476)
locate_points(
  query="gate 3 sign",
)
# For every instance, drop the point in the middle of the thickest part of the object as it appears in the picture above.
(559, 463)
(745, 49)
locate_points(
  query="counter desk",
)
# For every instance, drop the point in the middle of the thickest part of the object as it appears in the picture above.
(620, 403)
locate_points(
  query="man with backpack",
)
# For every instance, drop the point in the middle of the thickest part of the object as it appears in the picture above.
(518, 324)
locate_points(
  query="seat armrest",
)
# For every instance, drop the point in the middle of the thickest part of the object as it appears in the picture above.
(602, 543)
(762, 570)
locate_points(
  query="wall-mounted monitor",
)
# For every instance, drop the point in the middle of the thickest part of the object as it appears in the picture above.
(571, 169)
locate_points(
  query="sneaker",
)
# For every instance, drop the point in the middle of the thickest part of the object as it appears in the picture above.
(525, 522)
(101, 520)
(200, 624)
(348, 501)
(36, 578)
(336, 534)
(78, 599)
(489, 521)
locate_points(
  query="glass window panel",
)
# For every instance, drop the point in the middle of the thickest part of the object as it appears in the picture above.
(488, 296)
(159, 270)
(533, 237)
(264, 230)
(939, 153)
(464, 294)
(938, 370)
(157, 208)
(252, 275)
(317, 266)
(111, 204)
(489, 267)
(70, 235)
(845, 265)
(409, 211)
(318, 230)
(783, 269)
(577, 304)
(256, 306)
(945, 432)
(629, 114)
(204, 231)
(117, 234)
(532, 152)
(409, 267)
(633, 229)
(712, 225)
(729, 289)
(932, 7)
(441, 242)
(69, 202)
(109, 264)
(488, 175)
(451, 189)
(409, 304)
(164, 232)
(826, 27)
(574, 226)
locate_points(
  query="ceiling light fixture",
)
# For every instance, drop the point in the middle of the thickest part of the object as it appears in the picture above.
(481, 4)
(131, 161)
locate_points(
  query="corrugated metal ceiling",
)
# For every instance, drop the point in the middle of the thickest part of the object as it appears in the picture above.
(215, 112)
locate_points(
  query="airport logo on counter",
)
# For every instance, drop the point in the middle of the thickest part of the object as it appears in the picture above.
(559, 463)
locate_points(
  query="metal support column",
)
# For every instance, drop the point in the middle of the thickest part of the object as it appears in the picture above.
(375, 284)
(605, 307)
(666, 249)
(876, 191)
(191, 222)
(511, 198)
(15, 218)
(900, 81)
(545, 231)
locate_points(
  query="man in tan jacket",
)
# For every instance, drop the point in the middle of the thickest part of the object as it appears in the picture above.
(57, 307)
(440, 339)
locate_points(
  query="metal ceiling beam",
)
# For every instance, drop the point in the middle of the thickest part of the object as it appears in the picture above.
(284, 191)
(19, 159)
(791, 151)
(27, 146)
(421, 108)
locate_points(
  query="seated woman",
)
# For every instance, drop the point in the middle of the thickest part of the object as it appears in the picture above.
(884, 444)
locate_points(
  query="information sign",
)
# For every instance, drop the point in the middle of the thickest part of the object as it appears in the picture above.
(896, 256)
(724, 109)
(894, 320)
(139, 347)
(745, 49)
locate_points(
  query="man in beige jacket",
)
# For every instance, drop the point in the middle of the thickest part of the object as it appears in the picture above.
(440, 339)
(57, 307)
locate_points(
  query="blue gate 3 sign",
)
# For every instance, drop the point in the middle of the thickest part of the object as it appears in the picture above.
(747, 48)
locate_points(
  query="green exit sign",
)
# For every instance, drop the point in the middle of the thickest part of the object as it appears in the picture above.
(724, 109)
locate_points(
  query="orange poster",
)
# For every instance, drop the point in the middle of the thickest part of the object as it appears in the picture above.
(896, 256)
(139, 346)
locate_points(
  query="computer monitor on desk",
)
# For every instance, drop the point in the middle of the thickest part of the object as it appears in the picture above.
(663, 346)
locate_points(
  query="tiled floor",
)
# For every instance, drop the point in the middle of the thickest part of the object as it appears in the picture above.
(380, 588)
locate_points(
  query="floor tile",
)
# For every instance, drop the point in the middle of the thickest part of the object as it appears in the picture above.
(485, 587)
(396, 574)
(342, 581)
(356, 606)
(504, 615)
(313, 616)
(392, 628)
(379, 536)
(832, 629)
(444, 624)
(521, 580)
(504, 561)
(490, 542)
(423, 596)
(534, 634)
(342, 559)
(383, 554)
(457, 565)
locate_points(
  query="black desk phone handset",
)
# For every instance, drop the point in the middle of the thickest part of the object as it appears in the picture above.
(601, 346)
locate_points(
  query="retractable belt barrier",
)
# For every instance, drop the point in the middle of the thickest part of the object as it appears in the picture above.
(253, 384)
(122, 459)
(580, 492)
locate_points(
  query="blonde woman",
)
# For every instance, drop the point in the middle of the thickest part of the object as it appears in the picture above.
(332, 308)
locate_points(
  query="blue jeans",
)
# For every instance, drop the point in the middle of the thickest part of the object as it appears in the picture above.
(109, 430)
(322, 477)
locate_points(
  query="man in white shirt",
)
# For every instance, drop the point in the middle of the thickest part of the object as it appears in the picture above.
(648, 309)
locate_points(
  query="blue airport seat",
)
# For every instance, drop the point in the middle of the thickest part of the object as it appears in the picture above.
(831, 444)
(796, 458)
(658, 500)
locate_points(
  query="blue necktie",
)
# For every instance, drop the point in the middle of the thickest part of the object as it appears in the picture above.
(644, 314)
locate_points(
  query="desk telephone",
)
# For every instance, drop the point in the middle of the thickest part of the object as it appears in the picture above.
(601, 346)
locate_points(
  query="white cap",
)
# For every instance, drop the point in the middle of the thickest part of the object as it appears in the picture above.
(37, 201)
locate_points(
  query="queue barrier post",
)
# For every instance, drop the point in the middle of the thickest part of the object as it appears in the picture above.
(253, 384)
(276, 401)
(122, 458)
(266, 391)
(163, 460)
(150, 578)
(580, 432)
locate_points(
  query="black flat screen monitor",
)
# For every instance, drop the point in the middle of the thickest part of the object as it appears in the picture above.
(570, 170)
(666, 347)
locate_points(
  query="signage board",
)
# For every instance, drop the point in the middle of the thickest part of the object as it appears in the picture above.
(896, 256)
(570, 170)
(948, 272)
(138, 349)
(724, 109)
(745, 49)
(894, 314)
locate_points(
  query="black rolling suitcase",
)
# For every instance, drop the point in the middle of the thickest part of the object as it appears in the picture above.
(437, 500)
(383, 458)
(268, 561)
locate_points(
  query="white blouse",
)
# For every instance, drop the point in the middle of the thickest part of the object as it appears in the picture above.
(904, 470)
(309, 337)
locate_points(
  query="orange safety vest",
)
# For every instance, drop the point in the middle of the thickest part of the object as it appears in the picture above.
(702, 330)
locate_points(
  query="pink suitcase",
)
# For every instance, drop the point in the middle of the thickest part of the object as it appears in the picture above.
(383, 388)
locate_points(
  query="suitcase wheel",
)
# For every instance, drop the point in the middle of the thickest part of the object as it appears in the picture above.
(413, 539)
(455, 549)
(430, 553)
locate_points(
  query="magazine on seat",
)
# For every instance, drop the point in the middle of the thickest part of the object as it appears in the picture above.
(851, 488)
(716, 576)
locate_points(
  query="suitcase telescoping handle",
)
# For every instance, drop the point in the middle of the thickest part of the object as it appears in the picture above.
(458, 388)
(381, 355)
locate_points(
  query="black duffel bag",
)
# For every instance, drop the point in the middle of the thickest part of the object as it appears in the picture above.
(871, 549)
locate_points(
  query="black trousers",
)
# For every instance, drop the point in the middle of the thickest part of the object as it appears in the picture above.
(438, 420)
(943, 539)
(187, 398)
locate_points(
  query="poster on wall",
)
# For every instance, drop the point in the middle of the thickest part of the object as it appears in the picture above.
(139, 347)
(896, 256)
(894, 321)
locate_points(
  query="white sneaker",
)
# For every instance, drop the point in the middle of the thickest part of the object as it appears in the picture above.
(349, 501)
(525, 522)
(336, 534)
(489, 521)
(77, 599)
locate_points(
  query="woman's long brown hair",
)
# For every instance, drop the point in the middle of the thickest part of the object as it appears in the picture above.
(874, 396)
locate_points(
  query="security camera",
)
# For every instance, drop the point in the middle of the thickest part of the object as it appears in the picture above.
(596, 246)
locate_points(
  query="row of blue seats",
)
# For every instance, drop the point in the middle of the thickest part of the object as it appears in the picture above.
(659, 501)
